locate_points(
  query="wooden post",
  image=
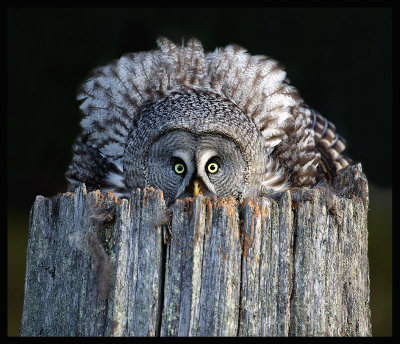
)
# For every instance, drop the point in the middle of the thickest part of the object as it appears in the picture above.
(284, 265)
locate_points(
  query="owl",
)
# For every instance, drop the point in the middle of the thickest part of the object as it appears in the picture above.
(222, 123)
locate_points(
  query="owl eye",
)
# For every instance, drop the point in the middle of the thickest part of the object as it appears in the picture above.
(212, 167)
(179, 168)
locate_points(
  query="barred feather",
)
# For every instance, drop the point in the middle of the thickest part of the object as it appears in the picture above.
(330, 145)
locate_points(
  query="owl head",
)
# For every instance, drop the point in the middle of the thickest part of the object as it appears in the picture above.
(223, 123)
(194, 142)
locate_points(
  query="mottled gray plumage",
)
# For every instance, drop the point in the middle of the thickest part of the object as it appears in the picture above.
(226, 121)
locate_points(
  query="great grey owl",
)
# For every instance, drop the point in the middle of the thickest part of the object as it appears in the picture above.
(223, 123)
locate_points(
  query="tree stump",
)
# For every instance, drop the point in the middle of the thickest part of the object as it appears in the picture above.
(284, 265)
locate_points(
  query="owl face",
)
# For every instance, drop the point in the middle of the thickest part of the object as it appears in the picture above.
(182, 164)
(194, 142)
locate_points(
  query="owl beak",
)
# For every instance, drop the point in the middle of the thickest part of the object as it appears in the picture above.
(196, 187)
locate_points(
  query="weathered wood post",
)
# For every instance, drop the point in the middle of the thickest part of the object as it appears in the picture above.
(286, 265)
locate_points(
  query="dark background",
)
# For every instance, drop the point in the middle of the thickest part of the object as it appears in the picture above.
(340, 59)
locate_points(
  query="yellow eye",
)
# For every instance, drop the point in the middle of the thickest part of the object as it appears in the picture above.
(212, 167)
(179, 168)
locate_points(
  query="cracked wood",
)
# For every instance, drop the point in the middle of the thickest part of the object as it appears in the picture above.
(284, 265)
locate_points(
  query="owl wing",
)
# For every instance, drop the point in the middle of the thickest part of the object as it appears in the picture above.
(311, 150)
(330, 145)
(89, 166)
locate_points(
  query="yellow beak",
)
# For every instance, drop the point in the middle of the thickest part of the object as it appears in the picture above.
(196, 188)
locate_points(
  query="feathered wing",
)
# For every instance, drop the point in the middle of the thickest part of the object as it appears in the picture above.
(330, 145)
(112, 96)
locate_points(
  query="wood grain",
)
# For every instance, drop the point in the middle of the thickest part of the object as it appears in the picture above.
(283, 265)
